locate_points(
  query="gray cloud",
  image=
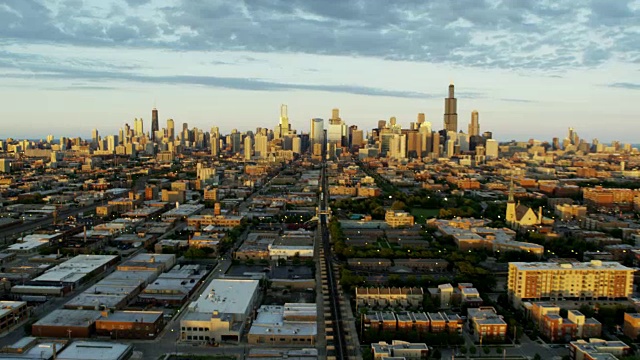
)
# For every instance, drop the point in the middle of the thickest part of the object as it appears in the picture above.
(100, 76)
(518, 100)
(625, 85)
(518, 34)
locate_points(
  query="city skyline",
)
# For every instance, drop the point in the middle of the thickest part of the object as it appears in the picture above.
(561, 74)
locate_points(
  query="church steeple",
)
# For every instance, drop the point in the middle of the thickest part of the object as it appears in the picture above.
(511, 200)
(510, 216)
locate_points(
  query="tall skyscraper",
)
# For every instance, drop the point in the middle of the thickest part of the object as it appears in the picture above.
(283, 127)
(451, 111)
(95, 137)
(337, 133)
(317, 131)
(171, 129)
(474, 125)
(154, 123)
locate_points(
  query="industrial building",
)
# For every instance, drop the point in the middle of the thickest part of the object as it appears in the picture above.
(130, 324)
(66, 323)
(291, 324)
(221, 313)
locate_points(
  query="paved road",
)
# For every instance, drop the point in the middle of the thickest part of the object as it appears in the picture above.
(526, 348)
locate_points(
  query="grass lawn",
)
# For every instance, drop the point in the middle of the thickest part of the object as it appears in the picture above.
(421, 215)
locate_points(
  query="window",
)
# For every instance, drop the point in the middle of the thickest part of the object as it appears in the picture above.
(188, 329)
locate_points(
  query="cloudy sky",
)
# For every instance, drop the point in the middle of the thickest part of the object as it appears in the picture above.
(532, 68)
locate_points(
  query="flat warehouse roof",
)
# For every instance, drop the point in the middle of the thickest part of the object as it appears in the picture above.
(93, 350)
(65, 317)
(132, 316)
(227, 296)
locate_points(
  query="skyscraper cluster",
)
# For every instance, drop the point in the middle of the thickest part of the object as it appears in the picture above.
(335, 138)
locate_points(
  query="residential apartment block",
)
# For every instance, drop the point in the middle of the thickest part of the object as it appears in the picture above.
(558, 281)
(389, 296)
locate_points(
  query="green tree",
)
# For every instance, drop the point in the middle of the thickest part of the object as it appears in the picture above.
(398, 205)
(473, 350)
(463, 350)
(195, 253)
(486, 350)
(537, 357)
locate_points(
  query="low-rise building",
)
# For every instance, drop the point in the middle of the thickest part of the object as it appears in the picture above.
(631, 326)
(223, 221)
(221, 312)
(75, 270)
(487, 324)
(94, 350)
(375, 264)
(12, 313)
(389, 296)
(399, 350)
(398, 218)
(568, 212)
(597, 349)
(64, 323)
(130, 324)
(291, 324)
(423, 265)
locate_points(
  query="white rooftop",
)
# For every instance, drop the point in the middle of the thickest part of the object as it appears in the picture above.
(592, 265)
(93, 350)
(271, 320)
(226, 296)
(76, 268)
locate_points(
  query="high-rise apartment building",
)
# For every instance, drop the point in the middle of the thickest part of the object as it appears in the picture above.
(154, 123)
(248, 146)
(356, 139)
(215, 141)
(236, 141)
(171, 130)
(451, 111)
(260, 146)
(138, 127)
(556, 281)
(296, 145)
(491, 149)
(5, 165)
(474, 125)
